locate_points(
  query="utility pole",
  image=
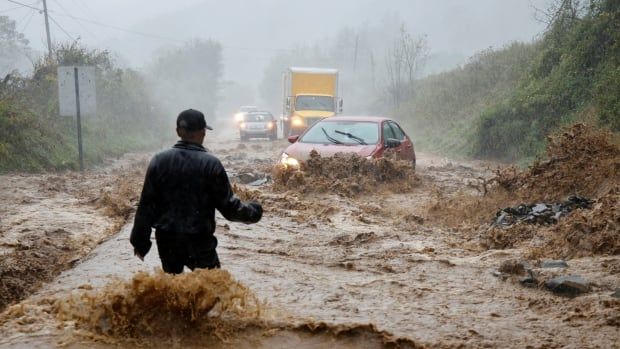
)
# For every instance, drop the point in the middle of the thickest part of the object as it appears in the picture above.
(47, 30)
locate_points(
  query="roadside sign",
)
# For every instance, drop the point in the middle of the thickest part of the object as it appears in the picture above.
(66, 90)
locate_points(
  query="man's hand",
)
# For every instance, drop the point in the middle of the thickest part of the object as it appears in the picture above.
(258, 209)
(137, 254)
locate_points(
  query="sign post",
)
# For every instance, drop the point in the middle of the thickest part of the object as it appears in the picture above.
(77, 97)
(79, 119)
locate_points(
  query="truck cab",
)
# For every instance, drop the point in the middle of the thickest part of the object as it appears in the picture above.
(311, 95)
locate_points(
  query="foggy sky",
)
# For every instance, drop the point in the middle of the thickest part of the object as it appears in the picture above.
(252, 31)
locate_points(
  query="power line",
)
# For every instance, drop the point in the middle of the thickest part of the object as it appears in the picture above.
(32, 12)
(61, 28)
(120, 28)
(85, 9)
(11, 9)
(81, 25)
(155, 36)
(25, 16)
(25, 5)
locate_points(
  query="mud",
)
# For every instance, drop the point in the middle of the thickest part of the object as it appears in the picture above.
(155, 307)
(49, 222)
(35, 259)
(209, 306)
(579, 160)
(325, 269)
(347, 175)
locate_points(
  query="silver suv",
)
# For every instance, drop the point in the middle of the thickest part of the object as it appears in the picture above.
(258, 124)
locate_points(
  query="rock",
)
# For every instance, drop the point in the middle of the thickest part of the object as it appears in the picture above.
(500, 275)
(539, 208)
(513, 266)
(554, 264)
(616, 294)
(529, 281)
(249, 177)
(259, 182)
(570, 285)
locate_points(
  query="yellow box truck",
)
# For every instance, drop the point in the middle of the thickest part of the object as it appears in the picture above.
(310, 95)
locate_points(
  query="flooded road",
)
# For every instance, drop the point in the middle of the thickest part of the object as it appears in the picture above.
(370, 271)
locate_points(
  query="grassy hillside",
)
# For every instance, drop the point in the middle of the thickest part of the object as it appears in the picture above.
(32, 135)
(576, 74)
(504, 103)
(444, 110)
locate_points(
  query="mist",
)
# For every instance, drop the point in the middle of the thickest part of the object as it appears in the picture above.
(253, 34)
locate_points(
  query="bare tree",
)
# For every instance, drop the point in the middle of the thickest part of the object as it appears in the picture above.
(403, 63)
(561, 11)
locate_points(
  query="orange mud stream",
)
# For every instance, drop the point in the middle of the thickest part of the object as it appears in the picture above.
(335, 272)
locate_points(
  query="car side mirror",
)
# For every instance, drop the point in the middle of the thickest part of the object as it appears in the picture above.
(392, 143)
(293, 138)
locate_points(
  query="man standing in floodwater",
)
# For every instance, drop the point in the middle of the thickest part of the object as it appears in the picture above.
(183, 187)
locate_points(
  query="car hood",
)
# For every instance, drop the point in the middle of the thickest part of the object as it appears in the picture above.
(301, 151)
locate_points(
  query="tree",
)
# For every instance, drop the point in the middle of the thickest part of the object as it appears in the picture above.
(403, 62)
(13, 46)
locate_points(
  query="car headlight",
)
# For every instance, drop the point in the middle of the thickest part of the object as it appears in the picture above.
(289, 161)
(270, 125)
(239, 117)
(296, 121)
(242, 125)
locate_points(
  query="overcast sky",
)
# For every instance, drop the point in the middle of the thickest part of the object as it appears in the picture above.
(254, 30)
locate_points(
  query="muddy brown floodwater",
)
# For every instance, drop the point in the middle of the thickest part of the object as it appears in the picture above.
(320, 270)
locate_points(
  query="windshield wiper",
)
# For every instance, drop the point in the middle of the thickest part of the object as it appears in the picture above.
(330, 138)
(356, 138)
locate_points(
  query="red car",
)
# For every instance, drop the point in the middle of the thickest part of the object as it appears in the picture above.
(368, 136)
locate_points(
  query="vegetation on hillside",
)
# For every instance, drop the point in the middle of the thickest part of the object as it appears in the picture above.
(504, 103)
(575, 73)
(134, 111)
(32, 134)
(444, 108)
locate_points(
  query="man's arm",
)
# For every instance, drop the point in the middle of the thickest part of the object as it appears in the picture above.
(228, 204)
(141, 232)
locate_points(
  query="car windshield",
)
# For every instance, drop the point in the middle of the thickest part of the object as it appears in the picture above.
(323, 103)
(247, 108)
(340, 131)
(255, 117)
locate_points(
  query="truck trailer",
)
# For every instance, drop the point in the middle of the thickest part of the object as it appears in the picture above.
(309, 95)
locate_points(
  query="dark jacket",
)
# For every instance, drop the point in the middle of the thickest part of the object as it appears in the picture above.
(183, 187)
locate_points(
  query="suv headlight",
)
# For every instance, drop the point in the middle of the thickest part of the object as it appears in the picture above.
(288, 161)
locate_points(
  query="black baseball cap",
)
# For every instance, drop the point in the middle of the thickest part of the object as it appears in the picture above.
(192, 120)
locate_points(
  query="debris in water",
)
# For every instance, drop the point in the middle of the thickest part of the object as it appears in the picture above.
(540, 213)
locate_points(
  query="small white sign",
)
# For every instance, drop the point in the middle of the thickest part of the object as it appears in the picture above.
(66, 90)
